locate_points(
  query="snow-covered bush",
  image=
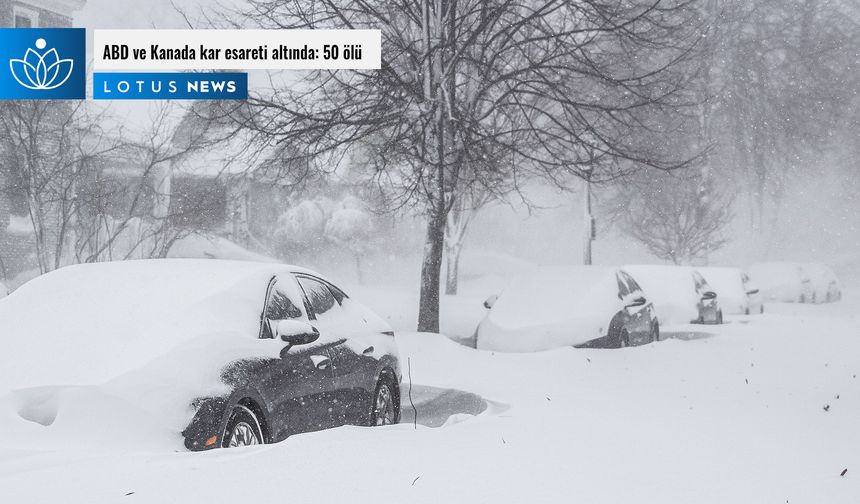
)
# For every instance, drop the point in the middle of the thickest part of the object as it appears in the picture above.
(352, 229)
(301, 227)
(314, 225)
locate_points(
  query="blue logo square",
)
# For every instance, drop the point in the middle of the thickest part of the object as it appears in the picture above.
(43, 63)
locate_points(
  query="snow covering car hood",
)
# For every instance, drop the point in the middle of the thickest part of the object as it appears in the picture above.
(87, 324)
(551, 307)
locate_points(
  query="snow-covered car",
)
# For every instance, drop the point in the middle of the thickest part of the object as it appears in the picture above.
(560, 306)
(825, 285)
(786, 282)
(735, 293)
(225, 353)
(681, 295)
(754, 295)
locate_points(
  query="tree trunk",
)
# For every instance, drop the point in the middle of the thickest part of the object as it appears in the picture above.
(434, 243)
(431, 269)
(452, 260)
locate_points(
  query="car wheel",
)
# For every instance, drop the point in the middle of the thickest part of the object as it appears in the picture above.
(242, 429)
(747, 312)
(761, 309)
(719, 317)
(655, 332)
(384, 410)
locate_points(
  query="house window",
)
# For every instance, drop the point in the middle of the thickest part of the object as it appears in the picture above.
(24, 17)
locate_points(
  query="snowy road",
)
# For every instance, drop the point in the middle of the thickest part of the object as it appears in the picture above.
(764, 409)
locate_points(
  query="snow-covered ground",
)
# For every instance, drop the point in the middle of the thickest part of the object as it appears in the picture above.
(763, 409)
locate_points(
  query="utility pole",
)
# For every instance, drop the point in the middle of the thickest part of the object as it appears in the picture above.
(588, 220)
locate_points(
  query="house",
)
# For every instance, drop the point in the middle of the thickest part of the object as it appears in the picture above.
(38, 13)
(121, 195)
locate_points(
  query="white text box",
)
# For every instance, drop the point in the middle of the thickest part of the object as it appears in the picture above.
(144, 50)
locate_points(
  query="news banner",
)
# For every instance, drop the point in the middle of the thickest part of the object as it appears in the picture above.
(50, 63)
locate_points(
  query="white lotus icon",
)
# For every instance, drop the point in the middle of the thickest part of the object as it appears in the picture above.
(41, 71)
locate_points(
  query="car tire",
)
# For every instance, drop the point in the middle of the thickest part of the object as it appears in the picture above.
(655, 332)
(747, 312)
(719, 320)
(761, 309)
(242, 429)
(383, 406)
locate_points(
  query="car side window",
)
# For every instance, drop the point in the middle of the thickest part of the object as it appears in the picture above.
(279, 306)
(700, 282)
(623, 290)
(319, 296)
(338, 294)
(631, 284)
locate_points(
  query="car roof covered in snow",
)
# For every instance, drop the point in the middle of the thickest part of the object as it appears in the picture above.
(662, 278)
(726, 281)
(87, 323)
(552, 292)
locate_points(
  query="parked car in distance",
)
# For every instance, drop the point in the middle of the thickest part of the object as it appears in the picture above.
(734, 290)
(553, 307)
(782, 281)
(825, 285)
(680, 294)
(754, 295)
(225, 353)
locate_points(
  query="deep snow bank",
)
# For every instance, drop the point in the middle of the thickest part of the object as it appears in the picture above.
(735, 415)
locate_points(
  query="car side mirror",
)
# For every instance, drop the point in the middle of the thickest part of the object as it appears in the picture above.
(632, 302)
(709, 295)
(295, 332)
(752, 292)
(490, 301)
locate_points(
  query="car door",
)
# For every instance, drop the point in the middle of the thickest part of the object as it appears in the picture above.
(707, 297)
(298, 386)
(352, 349)
(640, 316)
(624, 296)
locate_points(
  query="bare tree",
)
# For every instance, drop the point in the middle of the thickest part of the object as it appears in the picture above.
(46, 147)
(90, 196)
(460, 217)
(679, 218)
(549, 86)
(770, 73)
